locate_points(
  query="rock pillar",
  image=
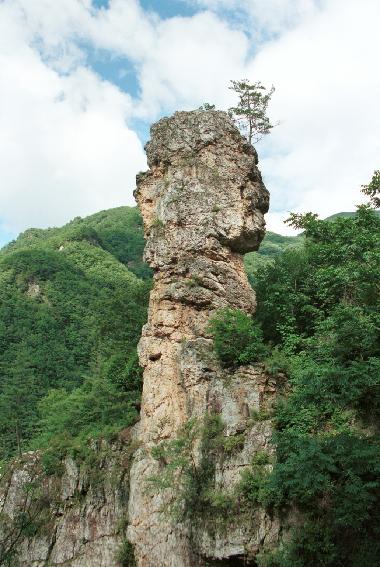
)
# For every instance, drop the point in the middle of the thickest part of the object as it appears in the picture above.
(202, 201)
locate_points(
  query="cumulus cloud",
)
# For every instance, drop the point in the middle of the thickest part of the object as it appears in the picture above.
(327, 97)
(180, 62)
(192, 62)
(66, 147)
(263, 17)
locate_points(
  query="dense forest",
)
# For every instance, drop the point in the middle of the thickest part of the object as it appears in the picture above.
(72, 304)
(318, 320)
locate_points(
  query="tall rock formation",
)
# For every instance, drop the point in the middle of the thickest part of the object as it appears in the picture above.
(201, 425)
(202, 202)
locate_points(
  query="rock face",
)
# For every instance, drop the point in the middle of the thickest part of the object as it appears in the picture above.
(75, 518)
(202, 202)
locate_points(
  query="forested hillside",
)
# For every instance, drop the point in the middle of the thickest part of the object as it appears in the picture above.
(72, 304)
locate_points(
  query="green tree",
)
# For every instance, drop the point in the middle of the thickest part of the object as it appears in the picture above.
(372, 189)
(340, 262)
(238, 338)
(19, 395)
(71, 313)
(251, 111)
(321, 306)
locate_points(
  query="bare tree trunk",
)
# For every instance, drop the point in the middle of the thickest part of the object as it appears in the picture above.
(249, 121)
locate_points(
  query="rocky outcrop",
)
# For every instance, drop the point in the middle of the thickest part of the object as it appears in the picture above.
(74, 515)
(202, 202)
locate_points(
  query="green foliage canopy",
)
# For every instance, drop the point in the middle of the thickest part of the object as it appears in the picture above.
(238, 338)
(320, 305)
(72, 304)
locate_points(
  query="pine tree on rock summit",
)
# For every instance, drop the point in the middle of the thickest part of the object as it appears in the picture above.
(250, 112)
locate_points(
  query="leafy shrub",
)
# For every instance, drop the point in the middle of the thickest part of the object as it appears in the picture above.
(277, 361)
(252, 487)
(126, 555)
(238, 338)
(198, 499)
(51, 461)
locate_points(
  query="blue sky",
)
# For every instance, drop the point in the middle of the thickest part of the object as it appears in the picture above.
(170, 8)
(166, 9)
(121, 71)
(80, 87)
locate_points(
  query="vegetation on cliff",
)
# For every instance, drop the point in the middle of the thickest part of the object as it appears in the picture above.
(319, 308)
(250, 113)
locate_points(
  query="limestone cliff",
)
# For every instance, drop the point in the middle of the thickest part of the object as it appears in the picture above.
(74, 517)
(202, 202)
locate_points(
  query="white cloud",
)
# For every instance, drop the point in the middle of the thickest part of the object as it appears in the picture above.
(180, 62)
(124, 28)
(263, 17)
(191, 63)
(327, 98)
(65, 148)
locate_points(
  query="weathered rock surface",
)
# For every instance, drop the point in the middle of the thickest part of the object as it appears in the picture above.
(76, 518)
(202, 202)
